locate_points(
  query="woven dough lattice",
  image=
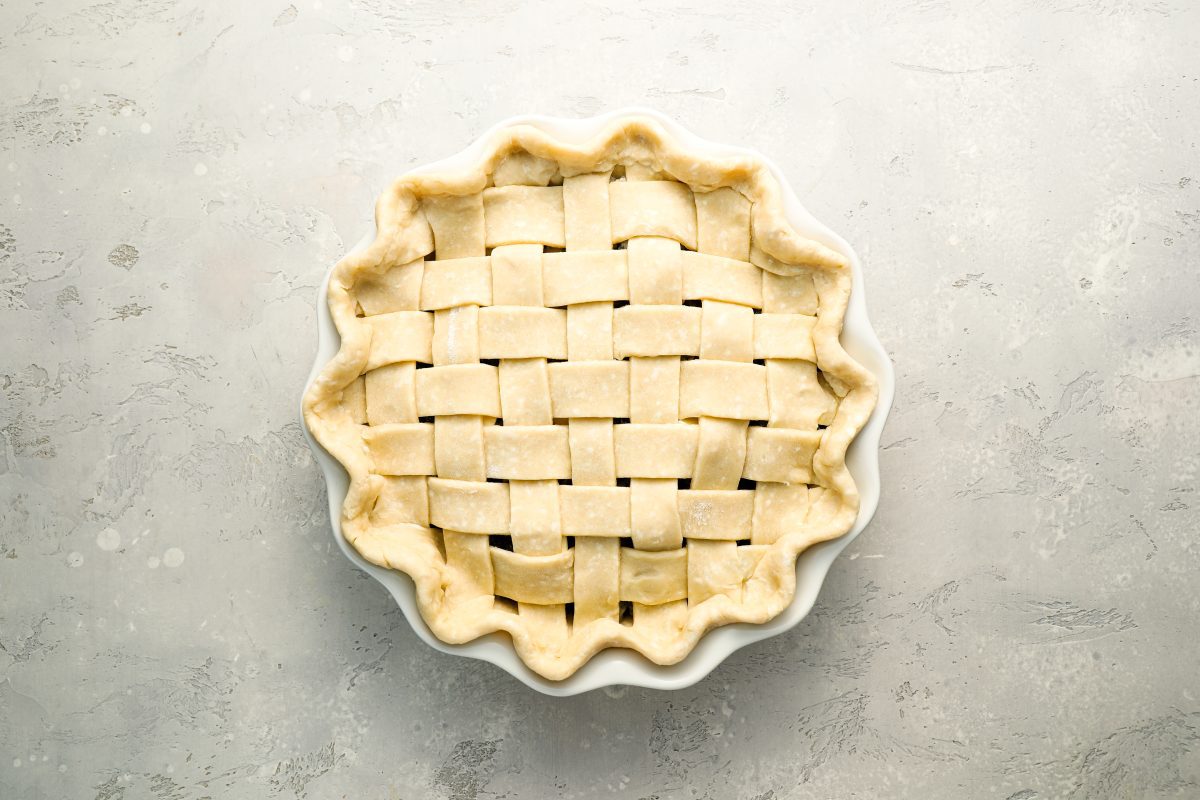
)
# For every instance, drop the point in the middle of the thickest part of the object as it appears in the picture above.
(591, 395)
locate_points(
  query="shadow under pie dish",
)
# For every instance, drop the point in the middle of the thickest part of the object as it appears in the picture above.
(590, 393)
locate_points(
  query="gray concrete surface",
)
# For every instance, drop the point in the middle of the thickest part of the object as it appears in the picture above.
(1021, 179)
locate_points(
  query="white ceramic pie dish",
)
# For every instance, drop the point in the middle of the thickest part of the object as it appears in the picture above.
(618, 666)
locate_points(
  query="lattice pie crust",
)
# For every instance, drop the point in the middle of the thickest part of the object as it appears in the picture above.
(591, 395)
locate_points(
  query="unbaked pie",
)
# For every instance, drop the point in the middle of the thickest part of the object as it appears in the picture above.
(592, 396)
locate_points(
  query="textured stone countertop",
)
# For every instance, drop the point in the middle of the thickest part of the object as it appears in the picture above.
(1022, 181)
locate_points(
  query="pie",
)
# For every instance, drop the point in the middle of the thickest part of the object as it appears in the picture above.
(591, 395)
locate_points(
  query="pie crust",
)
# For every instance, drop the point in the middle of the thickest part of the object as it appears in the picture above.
(591, 395)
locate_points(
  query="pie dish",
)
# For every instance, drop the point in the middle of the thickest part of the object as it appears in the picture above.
(591, 394)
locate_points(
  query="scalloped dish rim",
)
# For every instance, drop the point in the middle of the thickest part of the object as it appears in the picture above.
(615, 666)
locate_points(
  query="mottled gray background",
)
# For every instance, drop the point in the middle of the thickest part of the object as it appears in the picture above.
(1022, 181)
